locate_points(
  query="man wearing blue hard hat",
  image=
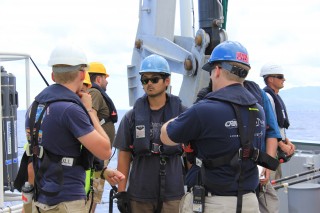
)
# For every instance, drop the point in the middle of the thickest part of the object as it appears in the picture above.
(156, 181)
(229, 128)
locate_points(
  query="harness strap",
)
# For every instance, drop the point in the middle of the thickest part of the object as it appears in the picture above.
(34, 133)
(162, 174)
(267, 161)
(246, 144)
(219, 161)
(46, 160)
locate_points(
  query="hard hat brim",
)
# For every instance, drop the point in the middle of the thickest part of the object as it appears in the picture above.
(64, 69)
(99, 73)
(207, 67)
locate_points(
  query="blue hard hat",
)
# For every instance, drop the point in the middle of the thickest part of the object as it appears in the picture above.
(154, 63)
(231, 51)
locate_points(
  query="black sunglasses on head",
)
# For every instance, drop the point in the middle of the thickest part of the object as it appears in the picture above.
(153, 80)
(277, 76)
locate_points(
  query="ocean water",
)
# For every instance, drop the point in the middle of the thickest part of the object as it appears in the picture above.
(303, 126)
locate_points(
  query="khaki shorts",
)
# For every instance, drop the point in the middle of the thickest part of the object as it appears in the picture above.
(98, 187)
(171, 206)
(268, 200)
(77, 206)
(27, 208)
(221, 204)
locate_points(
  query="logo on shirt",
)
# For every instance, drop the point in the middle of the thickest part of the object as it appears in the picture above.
(260, 122)
(234, 124)
(231, 124)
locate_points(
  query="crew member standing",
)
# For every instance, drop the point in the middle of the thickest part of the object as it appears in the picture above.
(273, 75)
(156, 173)
(104, 108)
(267, 195)
(62, 132)
(228, 131)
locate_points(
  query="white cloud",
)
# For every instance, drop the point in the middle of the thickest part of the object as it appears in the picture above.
(105, 30)
(284, 31)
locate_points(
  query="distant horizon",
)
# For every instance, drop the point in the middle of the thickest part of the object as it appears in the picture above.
(291, 97)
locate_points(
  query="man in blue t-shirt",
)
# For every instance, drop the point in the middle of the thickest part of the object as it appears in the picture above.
(156, 181)
(223, 123)
(62, 131)
(273, 75)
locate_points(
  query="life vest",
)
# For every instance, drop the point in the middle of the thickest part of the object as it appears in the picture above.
(281, 111)
(42, 101)
(141, 142)
(113, 115)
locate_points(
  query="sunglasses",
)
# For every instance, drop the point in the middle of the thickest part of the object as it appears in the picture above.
(277, 76)
(153, 80)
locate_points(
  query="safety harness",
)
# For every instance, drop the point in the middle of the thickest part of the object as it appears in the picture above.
(141, 131)
(246, 152)
(47, 158)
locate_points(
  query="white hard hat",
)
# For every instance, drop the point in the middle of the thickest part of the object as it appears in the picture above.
(271, 68)
(67, 54)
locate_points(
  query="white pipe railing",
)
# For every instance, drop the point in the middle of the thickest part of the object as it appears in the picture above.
(6, 56)
(12, 209)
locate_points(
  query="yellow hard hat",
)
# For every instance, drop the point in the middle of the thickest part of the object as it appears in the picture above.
(87, 80)
(97, 67)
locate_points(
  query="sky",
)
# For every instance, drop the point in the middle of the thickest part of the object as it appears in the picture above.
(283, 31)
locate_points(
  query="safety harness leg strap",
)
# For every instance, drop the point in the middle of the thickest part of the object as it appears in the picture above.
(162, 176)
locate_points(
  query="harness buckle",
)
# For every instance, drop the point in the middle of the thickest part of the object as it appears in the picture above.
(163, 162)
(28, 150)
(198, 162)
(156, 148)
(255, 154)
(103, 121)
(244, 153)
(38, 151)
(252, 153)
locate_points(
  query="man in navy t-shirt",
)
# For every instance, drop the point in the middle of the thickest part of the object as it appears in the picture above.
(156, 181)
(215, 126)
(60, 126)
